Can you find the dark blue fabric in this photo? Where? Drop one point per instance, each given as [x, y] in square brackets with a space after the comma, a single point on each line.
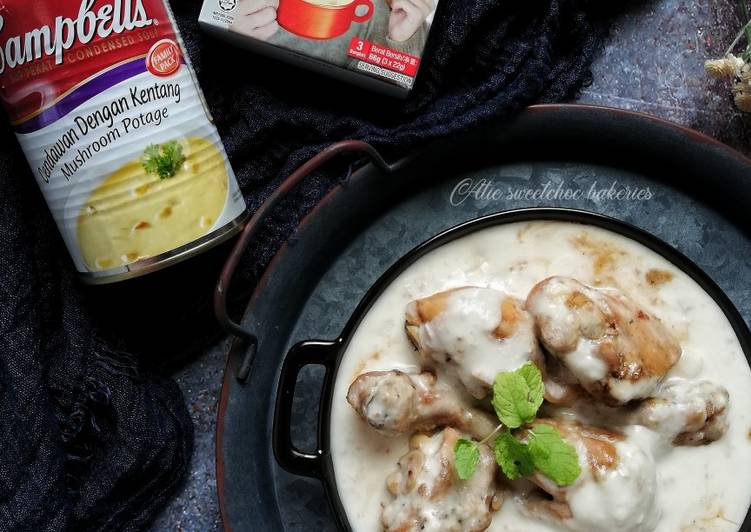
[92, 436]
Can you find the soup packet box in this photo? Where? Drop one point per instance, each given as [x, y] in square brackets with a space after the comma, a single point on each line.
[376, 44]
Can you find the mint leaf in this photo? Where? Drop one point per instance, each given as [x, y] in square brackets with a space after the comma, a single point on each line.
[467, 456]
[552, 456]
[513, 457]
[518, 395]
[533, 377]
[163, 160]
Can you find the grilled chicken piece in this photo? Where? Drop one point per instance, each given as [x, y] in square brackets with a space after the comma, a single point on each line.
[690, 413]
[474, 333]
[394, 402]
[615, 490]
[615, 350]
[425, 494]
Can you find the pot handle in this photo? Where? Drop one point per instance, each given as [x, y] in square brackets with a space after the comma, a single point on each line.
[255, 223]
[289, 457]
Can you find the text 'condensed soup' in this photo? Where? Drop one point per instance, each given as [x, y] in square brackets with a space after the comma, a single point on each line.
[104, 103]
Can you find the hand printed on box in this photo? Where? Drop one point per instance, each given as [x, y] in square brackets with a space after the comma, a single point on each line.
[407, 16]
[256, 18]
[259, 18]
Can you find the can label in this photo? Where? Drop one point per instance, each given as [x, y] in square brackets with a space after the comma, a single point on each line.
[106, 108]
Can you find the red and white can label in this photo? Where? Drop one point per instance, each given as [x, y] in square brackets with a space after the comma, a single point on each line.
[106, 108]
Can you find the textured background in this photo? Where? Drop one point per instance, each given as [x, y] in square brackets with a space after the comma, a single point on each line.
[653, 63]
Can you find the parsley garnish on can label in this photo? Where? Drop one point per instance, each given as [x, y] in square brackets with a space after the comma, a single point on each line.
[517, 396]
[163, 160]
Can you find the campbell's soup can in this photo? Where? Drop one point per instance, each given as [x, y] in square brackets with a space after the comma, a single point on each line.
[106, 107]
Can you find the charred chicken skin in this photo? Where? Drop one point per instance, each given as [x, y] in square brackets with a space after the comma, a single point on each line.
[616, 351]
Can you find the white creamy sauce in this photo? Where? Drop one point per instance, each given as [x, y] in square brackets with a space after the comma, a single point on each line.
[693, 489]
[465, 330]
[624, 496]
[584, 362]
[626, 390]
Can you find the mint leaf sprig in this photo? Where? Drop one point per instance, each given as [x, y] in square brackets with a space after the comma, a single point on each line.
[513, 457]
[517, 397]
[552, 456]
[467, 455]
[163, 160]
[466, 458]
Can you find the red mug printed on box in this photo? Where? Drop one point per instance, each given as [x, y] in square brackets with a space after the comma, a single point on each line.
[324, 19]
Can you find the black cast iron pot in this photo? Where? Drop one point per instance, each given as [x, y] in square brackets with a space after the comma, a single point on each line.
[318, 464]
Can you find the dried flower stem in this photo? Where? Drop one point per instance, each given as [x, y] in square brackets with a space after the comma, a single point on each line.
[746, 30]
[736, 68]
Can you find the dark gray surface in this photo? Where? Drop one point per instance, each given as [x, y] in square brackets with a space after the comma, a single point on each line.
[654, 64]
[196, 507]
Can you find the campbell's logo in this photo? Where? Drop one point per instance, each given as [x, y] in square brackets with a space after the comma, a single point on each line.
[111, 18]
